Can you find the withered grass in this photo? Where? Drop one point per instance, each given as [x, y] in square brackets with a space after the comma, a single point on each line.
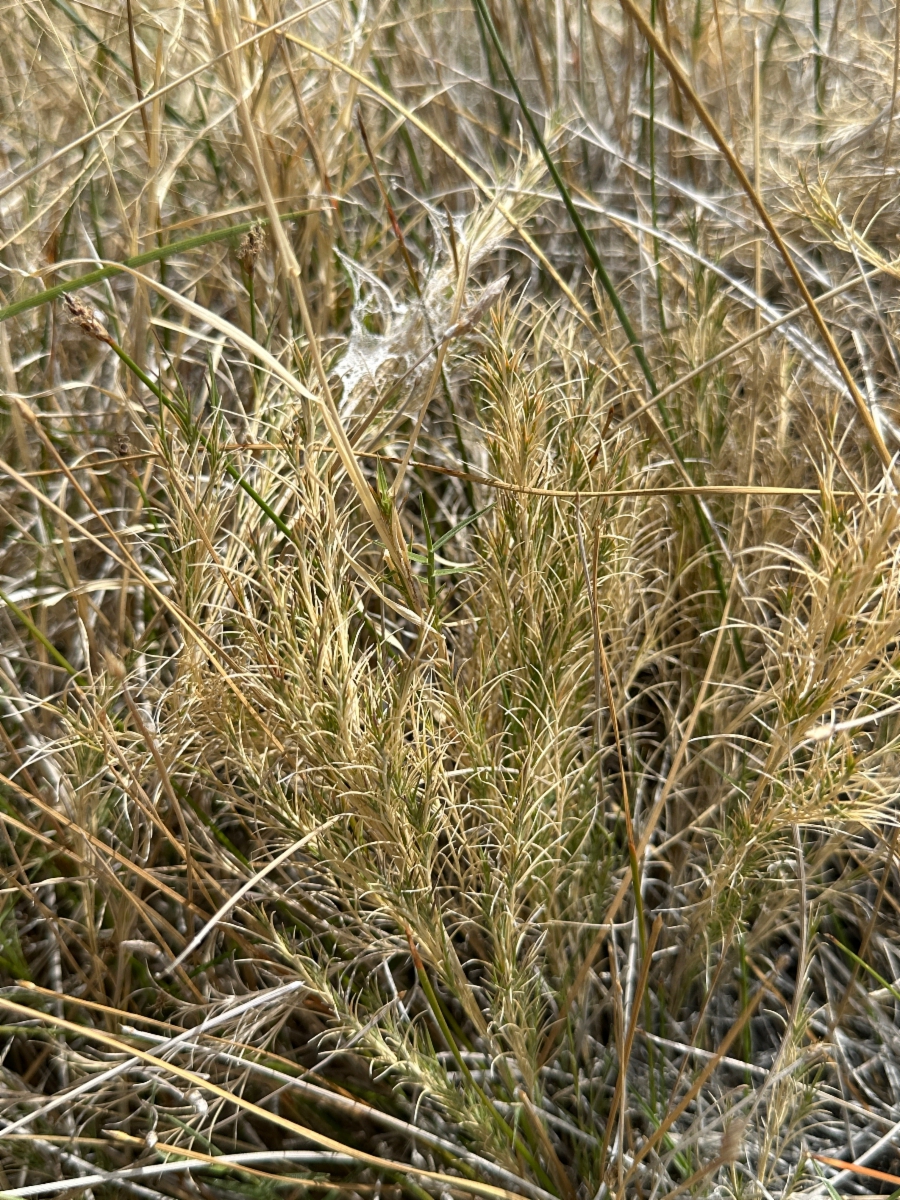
[450, 584]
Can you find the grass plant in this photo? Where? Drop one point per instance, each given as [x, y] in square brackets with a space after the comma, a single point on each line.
[449, 600]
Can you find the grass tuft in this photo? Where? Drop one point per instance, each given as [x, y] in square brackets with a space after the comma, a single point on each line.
[450, 600]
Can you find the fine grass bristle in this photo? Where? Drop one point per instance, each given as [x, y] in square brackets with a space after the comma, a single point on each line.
[450, 589]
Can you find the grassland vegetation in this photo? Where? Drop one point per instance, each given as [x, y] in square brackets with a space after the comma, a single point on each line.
[450, 587]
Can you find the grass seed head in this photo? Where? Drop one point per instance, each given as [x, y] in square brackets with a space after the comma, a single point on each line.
[114, 665]
[85, 319]
[252, 244]
[732, 1141]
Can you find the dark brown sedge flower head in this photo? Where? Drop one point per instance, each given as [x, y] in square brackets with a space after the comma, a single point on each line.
[251, 247]
[80, 314]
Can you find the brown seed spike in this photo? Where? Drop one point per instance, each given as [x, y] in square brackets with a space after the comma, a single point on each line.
[80, 314]
[251, 247]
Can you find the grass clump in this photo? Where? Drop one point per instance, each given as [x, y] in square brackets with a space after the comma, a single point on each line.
[450, 572]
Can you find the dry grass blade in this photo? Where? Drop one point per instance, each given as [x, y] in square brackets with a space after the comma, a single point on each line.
[734, 163]
[255, 879]
[473, 1186]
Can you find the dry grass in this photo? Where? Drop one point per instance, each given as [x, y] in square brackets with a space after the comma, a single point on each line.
[447, 749]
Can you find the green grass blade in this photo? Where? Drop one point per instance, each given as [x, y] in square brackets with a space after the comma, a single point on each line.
[58, 658]
[232, 471]
[138, 260]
